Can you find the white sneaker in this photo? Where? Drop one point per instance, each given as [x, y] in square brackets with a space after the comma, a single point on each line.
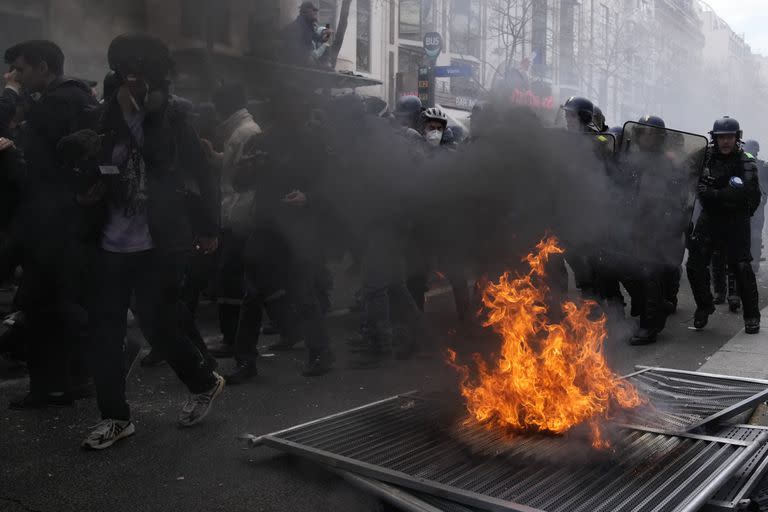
[107, 433]
[198, 406]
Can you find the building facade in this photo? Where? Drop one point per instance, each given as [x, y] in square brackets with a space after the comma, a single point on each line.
[674, 58]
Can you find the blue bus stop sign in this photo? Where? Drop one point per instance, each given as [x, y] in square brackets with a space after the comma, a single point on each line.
[433, 44]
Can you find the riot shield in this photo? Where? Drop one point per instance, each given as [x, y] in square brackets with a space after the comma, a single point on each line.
[656, 172]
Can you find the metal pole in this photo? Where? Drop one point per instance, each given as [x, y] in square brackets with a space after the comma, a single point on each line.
[392, 495]
[432, 64]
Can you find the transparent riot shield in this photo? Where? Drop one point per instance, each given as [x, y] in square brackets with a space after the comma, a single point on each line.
[656, 172]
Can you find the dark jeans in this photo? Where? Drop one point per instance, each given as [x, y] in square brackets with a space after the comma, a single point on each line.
[55, 326]
[292, 285]
[56, 338]
[260, 296]
[155, 277]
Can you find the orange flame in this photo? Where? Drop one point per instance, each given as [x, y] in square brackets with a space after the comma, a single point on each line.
[549, 377]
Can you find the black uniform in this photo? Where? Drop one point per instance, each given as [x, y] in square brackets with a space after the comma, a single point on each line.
[729, 195]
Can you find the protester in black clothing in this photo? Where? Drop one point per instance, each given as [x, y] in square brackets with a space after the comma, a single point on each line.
[148, 152]
[49, 229]
[284, 255]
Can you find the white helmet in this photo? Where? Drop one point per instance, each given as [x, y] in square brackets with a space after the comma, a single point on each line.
[434, 114]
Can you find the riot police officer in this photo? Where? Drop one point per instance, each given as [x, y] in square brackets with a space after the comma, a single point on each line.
[580, 118]
[580, 115]
[729, 193]
[659, 221]
[408, 112]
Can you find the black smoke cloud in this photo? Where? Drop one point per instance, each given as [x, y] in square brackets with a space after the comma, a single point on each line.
[487, 203]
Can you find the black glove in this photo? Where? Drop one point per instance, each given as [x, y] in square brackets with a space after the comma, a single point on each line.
[707, 191]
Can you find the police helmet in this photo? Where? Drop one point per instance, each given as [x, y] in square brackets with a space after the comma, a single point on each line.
[752, 146]
[582, 106]
[726, 126]
[599, 118]
[408, 105]
[653, 121]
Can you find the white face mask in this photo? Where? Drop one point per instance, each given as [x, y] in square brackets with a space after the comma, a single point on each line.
[434, 137]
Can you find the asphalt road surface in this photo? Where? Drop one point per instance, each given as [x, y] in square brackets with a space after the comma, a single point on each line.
[163, 468]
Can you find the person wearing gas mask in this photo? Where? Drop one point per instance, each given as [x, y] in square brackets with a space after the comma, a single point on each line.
[148, 153]
[729, 191]
[49, 231]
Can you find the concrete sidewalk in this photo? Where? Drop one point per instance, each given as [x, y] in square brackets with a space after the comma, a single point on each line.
[743, 355]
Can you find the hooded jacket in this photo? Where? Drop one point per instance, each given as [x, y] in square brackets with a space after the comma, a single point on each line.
[49, 218]
[237, 135]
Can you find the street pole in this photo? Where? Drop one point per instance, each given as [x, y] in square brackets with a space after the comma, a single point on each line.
[432, 64]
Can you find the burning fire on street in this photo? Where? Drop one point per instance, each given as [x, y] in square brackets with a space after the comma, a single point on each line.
[548, 376]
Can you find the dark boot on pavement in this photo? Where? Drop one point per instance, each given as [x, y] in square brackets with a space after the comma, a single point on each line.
[643, 336]
[701, 317]
[285, 344]
[246, 370]
[32, 401]
[719, 298]
[752, 325]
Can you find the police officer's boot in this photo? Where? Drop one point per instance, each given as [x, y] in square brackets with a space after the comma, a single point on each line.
[701, 317]
[654, 314]
[747, 287]
[643, 336]
[734, 301]
[244, 371]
